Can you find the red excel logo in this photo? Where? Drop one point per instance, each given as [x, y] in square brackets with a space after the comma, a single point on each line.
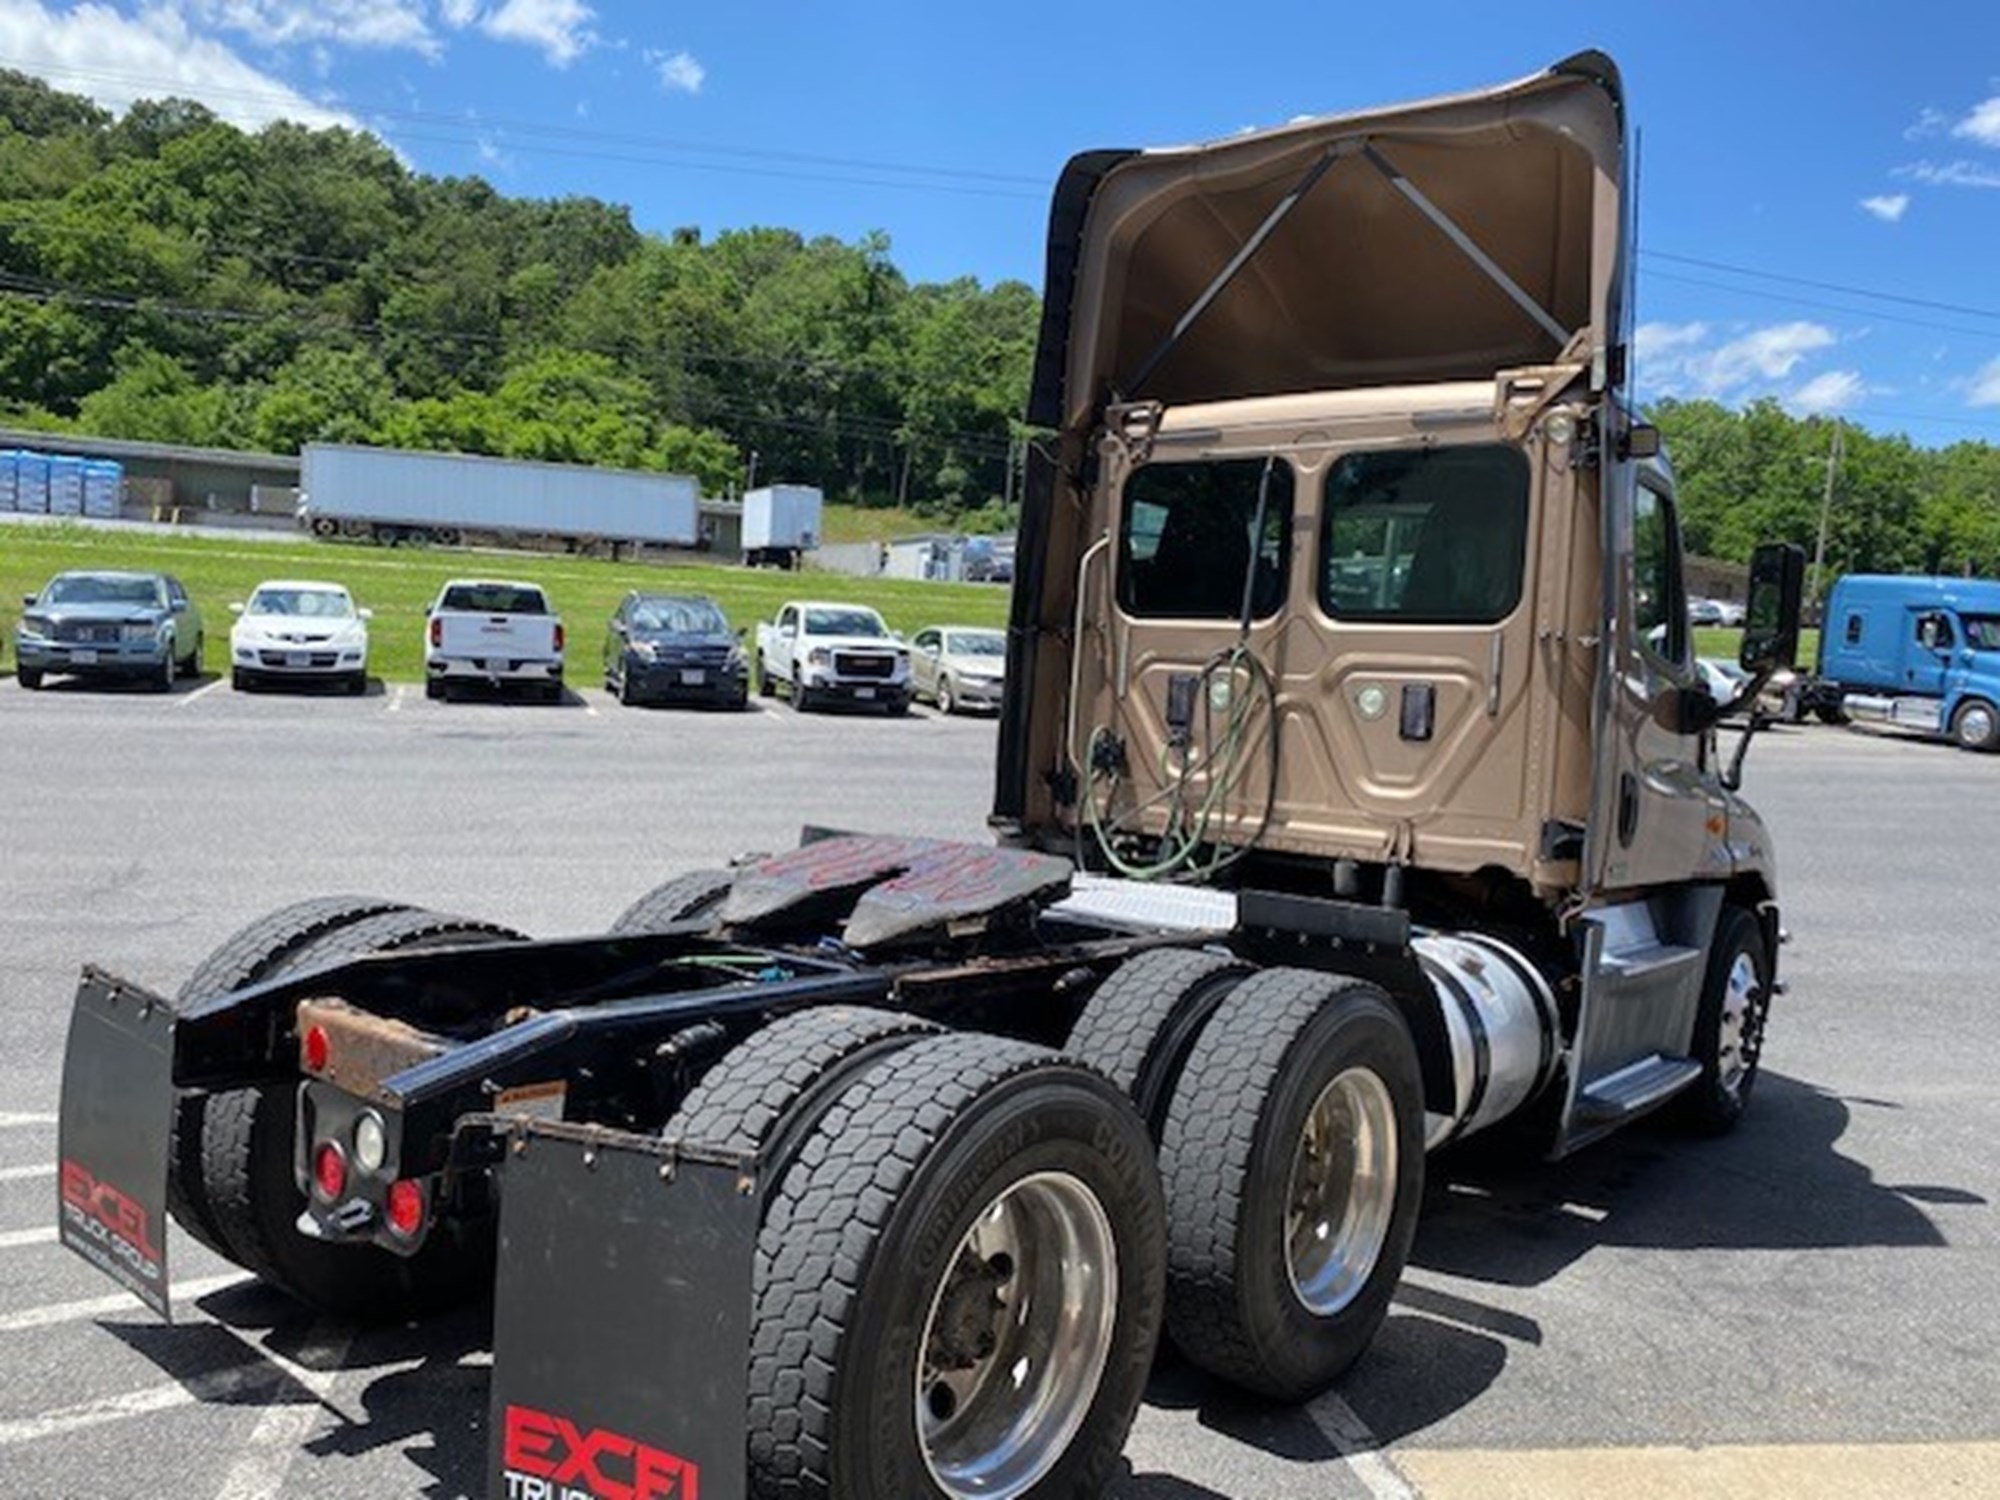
[547, 1457]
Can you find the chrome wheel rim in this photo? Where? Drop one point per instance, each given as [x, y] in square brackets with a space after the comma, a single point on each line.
[1017, 1338]
[1342, 1192]
[1975, 724]
[1735, 1040]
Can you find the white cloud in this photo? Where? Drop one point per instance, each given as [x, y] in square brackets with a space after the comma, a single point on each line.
[1986, 385]
[680, 72]
[1833, 391]
[382, 24]
[1678, 359]
[459, 13]
[560, 28]
[1929, 122]
[1952, 174]
[117, 59]
[1982, 125]
[1889, 207]
[1653, 340]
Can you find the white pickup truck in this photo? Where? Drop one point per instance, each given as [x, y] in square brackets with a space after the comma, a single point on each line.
[833, 653]
[501, 634]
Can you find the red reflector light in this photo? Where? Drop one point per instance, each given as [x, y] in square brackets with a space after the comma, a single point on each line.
[559, 636]
[318, 1049]
[406, 1207]
[437, 631]
[329, 1171]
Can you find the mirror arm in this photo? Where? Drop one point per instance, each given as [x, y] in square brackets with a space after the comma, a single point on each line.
[1732, 777]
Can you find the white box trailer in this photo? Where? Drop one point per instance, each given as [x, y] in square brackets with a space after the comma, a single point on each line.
[398, 495]
[780, 521]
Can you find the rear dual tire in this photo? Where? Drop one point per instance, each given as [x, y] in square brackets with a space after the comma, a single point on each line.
[231, 1181]
[957, 1284]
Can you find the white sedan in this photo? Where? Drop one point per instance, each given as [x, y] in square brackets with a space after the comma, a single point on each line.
[299, 631]
[959, 666]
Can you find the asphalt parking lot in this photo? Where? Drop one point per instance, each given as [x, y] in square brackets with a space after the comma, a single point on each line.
[1803, 1308]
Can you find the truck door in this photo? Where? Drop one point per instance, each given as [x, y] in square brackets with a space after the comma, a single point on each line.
[1929, 640]
[1662, 800]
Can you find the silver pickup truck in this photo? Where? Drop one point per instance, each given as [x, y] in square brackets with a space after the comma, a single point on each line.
[499, 634]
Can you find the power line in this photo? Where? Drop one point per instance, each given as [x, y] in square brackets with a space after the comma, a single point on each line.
[1870, 313]
[1821, 286]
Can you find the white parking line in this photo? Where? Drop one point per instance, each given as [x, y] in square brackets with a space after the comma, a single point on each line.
[217, 1385]
[19, 1239]
[395, 699]
[110, 1305]
[267, 1456]
[1359, 1449]
[27, 1174]
[202, 692]
[10, 1119]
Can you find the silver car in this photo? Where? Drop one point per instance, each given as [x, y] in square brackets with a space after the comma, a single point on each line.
[959, 666]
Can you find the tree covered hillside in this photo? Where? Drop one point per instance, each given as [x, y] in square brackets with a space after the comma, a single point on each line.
[166, 276]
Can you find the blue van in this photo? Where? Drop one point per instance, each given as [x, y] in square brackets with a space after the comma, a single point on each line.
[1920, 652]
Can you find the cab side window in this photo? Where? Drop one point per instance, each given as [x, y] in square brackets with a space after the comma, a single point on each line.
[1934, 631]
[1853, 634]
[1659, 602]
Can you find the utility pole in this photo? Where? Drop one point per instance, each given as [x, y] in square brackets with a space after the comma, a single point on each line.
[1825, 509]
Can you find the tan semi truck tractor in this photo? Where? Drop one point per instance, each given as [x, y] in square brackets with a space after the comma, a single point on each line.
[1356, 793]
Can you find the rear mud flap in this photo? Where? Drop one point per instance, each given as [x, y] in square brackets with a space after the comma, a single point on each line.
[116, 1115]
[621, 1319]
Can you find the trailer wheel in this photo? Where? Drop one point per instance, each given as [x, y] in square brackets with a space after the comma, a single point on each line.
[1729, 1025]
[247, 1163]
[682, 899]
[1293, 1160]
[958, 1282]
[244, 959]
[1138, 1027]
[770, 1089]
[1976, 725]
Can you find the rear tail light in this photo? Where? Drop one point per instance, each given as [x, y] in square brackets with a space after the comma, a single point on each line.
[329, 1171]
[316, 1049]
[406, 1208]
[559, 635]
[437, 631]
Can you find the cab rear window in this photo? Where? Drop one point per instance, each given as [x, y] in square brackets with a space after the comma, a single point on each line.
[1188, 534]
[1425, 535]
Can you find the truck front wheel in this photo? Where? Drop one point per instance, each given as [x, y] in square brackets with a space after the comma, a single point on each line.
[1976, 725]
[1728, 1025]
[1293, 1159]
[957, 1286]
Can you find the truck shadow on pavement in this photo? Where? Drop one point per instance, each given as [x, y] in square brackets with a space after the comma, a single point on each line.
[1777, 1183]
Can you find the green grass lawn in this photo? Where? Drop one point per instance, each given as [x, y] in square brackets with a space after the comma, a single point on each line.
[1715, 640]
[400, 584]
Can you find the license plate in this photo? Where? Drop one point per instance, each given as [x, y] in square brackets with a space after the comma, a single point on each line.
[864, 692]
[693, 677]
[300, 658]
[83, 658]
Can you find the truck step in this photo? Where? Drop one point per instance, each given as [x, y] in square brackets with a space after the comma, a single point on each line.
[1636, 967]
[1634, 1089]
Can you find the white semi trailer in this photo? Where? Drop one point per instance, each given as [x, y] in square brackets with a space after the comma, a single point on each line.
[781, 522]
[395, 495]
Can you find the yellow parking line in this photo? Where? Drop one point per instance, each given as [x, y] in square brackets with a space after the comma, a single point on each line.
[1887, 1471]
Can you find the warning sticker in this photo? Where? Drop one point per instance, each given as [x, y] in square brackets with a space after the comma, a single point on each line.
[533, 1101]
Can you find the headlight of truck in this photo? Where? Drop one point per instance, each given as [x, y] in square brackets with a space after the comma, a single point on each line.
[141, 632]
[36, 626]
[736, 661]
[819, 656]
[645, 650]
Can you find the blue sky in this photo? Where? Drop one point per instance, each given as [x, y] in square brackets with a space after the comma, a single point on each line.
[1821, 185]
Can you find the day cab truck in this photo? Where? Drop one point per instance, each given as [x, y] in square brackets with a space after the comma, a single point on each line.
[1920, 653]
[821, 652]
[493, 633]
[1355, 795]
